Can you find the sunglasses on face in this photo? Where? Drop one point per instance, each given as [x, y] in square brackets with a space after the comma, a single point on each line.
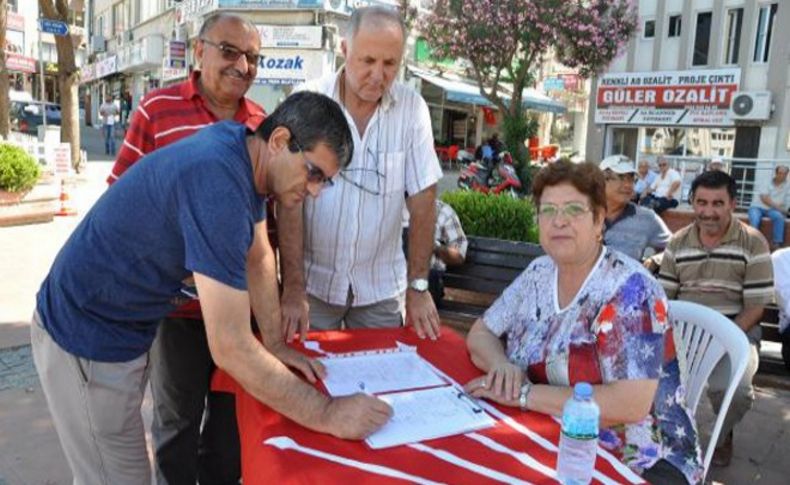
[314, 173]
[571, 210]
[232, 53]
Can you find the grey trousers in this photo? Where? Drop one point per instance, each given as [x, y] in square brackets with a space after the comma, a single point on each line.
[743, 398]
[384, 314]
[95, 407]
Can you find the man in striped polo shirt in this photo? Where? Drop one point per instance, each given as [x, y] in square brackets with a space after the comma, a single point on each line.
[181, 366]
[720, 262]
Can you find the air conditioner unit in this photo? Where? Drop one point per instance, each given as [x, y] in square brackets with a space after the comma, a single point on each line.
[98, 43]
[751, 105]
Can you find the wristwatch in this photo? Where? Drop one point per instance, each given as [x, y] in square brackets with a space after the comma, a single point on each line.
[420, 285]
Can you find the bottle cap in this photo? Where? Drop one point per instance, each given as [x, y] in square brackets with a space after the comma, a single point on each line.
[582, 390]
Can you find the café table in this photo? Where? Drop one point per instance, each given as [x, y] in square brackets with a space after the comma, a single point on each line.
[520, 448]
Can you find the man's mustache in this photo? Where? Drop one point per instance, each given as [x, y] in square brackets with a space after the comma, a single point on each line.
[236, 72]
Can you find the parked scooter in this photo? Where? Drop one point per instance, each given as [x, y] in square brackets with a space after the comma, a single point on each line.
[489, 176]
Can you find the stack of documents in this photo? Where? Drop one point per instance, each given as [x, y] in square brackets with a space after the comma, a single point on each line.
[425, 405]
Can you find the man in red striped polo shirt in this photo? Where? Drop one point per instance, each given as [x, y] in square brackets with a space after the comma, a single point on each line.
[181, 365]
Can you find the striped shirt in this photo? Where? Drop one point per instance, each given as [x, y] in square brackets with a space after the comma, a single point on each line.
[169, 114]
[165, 116]
[352, 237]
[735, 274]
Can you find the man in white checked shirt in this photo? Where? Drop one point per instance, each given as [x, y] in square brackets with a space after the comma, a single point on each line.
[449, 248]
[341, 254]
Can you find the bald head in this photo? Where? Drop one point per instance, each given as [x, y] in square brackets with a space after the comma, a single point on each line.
[377, 17]
[224, 18]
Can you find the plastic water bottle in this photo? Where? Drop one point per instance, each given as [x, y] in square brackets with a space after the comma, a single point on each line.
[579, 437]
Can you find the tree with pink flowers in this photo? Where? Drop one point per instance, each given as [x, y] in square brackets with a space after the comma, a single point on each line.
[508, 39]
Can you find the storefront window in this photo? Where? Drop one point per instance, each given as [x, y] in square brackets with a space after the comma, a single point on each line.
[624, 141]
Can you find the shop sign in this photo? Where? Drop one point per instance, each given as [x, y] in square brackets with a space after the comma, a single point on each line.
[106, 67]
[570, 82]
[170, 73]
[286, 66]
[176, 54]
[291, 36]
[553, 84]
[14, 21]
[272, 4]
[688, 98]
[19, 63]
[87, 73]
[191, 10]
[177, 49]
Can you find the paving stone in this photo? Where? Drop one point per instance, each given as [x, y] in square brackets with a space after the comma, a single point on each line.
[17, 370]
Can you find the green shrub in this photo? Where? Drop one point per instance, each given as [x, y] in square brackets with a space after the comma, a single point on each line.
[19, 171]
[497, 216]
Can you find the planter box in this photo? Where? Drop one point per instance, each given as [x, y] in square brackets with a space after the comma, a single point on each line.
[38, 205]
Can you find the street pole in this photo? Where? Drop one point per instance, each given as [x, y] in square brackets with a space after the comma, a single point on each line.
[41, 78]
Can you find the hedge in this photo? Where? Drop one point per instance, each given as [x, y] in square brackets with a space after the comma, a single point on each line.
[497, 216]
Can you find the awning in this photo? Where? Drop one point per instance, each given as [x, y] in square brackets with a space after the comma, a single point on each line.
[466, 91]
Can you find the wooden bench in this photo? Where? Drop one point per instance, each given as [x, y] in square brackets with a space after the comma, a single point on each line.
[490, 266]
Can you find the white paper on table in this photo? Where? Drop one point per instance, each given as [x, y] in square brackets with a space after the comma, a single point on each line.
[377, 371]
[427, 414]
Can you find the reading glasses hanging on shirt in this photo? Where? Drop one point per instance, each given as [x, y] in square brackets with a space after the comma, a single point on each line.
[365, 179]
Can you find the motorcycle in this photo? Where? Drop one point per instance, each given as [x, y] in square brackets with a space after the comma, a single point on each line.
[489, 176]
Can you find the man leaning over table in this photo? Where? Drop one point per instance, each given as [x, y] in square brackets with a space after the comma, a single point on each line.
[199, 209]
[722, 263]
[188, 445]
[346, 245]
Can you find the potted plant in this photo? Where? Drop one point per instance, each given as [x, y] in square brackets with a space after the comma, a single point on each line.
[19, 173]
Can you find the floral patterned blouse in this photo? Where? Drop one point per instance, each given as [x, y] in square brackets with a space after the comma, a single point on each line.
[614, 329]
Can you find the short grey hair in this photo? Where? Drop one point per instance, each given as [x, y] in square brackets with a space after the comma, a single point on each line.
[215, 18]
[377, 15]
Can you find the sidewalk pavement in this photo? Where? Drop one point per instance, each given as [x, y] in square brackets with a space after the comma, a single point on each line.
[30, 453]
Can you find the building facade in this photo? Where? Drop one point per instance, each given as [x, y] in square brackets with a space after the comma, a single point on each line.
[27, 52]
[701, 78]
[140, 45]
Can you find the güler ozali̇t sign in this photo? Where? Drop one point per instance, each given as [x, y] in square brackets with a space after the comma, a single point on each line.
[688, 98]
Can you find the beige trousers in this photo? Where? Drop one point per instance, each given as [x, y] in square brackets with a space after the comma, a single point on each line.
[95, 407]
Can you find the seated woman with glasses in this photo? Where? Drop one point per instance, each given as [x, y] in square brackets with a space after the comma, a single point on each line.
[588, 313]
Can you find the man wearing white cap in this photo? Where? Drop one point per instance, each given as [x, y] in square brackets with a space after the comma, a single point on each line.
[716, 163]
[629, 228]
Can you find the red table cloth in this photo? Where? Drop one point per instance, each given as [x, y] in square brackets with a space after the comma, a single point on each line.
[521, 448]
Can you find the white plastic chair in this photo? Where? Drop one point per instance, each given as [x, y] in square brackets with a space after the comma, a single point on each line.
[703, 336]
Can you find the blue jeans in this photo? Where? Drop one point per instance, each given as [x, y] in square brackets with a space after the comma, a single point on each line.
[777, 222]
[659, 204]
[109, 139]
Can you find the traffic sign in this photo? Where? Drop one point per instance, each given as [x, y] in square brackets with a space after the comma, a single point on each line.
[55, 27]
